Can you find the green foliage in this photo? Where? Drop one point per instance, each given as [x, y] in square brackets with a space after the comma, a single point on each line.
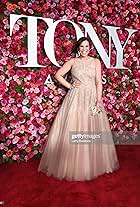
[38, 155]
[1, 116]
[1, 15]
[19, 89]
[25, 115]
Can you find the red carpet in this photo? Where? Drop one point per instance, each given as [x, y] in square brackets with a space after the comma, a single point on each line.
[22, 186]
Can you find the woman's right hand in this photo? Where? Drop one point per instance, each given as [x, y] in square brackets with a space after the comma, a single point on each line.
[76, 83]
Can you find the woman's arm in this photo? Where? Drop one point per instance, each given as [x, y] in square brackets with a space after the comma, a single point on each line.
[62, 71]
[98, 80]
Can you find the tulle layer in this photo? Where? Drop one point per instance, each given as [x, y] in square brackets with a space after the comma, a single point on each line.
[65, 158]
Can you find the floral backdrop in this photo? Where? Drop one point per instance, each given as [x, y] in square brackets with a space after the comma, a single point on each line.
[27, 105]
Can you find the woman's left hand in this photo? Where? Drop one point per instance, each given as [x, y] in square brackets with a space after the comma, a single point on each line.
[98, 103]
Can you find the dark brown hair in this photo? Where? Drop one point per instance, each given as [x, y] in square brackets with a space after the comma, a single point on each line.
[78, 43]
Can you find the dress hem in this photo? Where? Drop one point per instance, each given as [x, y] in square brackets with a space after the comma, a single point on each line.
[80, 180]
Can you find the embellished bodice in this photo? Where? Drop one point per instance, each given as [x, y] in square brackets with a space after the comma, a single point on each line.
[84, 71]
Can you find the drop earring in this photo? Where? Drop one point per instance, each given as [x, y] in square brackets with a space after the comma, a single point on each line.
[78, 53]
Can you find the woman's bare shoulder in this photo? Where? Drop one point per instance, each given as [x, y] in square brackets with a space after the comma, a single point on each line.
[71, 61]
[97, 60]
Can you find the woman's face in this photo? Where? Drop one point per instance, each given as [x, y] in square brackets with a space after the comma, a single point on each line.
[84, 48]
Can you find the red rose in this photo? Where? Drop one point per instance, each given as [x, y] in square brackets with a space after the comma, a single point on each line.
[2, 88]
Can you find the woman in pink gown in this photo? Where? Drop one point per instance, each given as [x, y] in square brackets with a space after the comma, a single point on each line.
[80, 144]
